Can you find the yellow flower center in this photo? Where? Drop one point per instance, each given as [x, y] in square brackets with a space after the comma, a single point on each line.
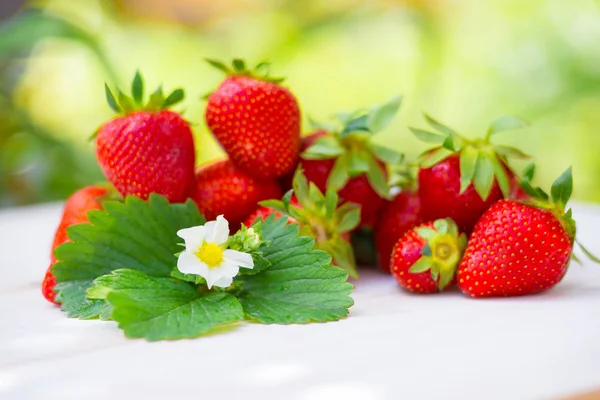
[210, 254]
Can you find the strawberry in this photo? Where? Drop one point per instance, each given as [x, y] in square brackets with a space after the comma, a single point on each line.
[256, 120]
[461, 178]
[397, 217]
[521, 248]
[424, 260]
[75, 212]
[319, 217]
[222, 188]
[148, 148]
[345, 159]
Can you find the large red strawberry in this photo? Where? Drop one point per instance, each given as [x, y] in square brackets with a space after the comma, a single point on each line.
[256, 120]
[397, 217]
[521, 248]
[223, 188]
[319, 216]
[148, 149]
[75, 212]
[424, 260]
[344, 158]
[462, 178]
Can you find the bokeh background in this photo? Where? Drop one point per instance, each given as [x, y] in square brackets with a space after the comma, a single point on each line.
[463, 61]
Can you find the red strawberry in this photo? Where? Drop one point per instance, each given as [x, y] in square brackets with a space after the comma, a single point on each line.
[75, 212]
[256, 120]
[345, 159]
[462, 178]
[318, 216]
[425, 259]
[148, 149]
[397, 217]
[518, 249]
[222, 188]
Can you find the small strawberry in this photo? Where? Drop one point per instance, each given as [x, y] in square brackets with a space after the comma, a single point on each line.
[75, 212]
[222, 188]
[256, 120]
[345, 159]
[461, 178]
[424, 260]
[397, 217]
[521, 248]
[319, 216]
[147, 149]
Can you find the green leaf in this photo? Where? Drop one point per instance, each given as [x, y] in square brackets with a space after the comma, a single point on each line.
[468, 162]
[377, 179]
[175, 97]
[218, 65]
[137, 89]
[175, 273]
[500, 175]
[136, 234]
[529, 172]
[300, 286]
[331, 202]
[339, 173]
[425, 232]
[72, 296]
[238, 65]
[166, 308]
[385, 154]
[110, 99]
[342, 253]
[447, 131]
[324, 148]
[449, 143]
[300, 185]
[381, 117]
[156, 100]
[511, 152]
[421, 265]
[562, 188]
[126, 103]
[588, 253]
[441, 226]
[349, 221]
[431, 158]
[506, 123]
[358, 124]
[276, 205]
[359, 163]
[427, 137]
[484, 176]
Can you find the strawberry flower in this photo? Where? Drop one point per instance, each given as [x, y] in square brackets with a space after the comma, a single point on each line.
[206, 253]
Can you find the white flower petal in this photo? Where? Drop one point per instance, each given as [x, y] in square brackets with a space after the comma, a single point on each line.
[220, 233]
[224, 281]
[193, 237]
[188, 263]
[228, 269]
[238, 258]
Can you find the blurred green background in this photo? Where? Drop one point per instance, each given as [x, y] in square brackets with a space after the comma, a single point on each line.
[463, 61]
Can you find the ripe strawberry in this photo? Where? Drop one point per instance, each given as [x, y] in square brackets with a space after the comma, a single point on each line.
[222, 188]
[318, 216]
[344, 159]
[521, 248]
[75, 212]
[256, 120]
[462, 178]
[397, 217]
[147, 149]
[424, 260]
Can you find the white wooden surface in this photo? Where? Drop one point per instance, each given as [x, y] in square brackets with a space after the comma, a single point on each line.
[393, 345]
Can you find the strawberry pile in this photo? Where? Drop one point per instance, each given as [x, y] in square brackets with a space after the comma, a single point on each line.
[467, 219]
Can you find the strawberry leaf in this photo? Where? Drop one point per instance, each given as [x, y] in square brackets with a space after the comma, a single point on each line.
[358, 124]
[324, 148]
[562, 188]
[135, 235]
[468, 162]
[529, 172]
[339, 173]
[349, 220]
[447, 131]
[218, 65]
[421, 265]
[433, 157]
[587, 253]
[175, 97]
[427, 137]
[110, 99]
[137, 88]
[500, 175]
[506, 123]
[377, 179]
[300, 286]
[381, 117]
[484, 176]
[511, 152]
[358, 164]
[386, 154]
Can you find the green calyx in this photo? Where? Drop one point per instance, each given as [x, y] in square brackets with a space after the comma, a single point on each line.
[480, 161]
[123, 104]
[238, 67]
[349, 143]
[442, 252]
[320, 217]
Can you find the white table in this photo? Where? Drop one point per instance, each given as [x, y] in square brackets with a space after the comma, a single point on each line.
[393, 345]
